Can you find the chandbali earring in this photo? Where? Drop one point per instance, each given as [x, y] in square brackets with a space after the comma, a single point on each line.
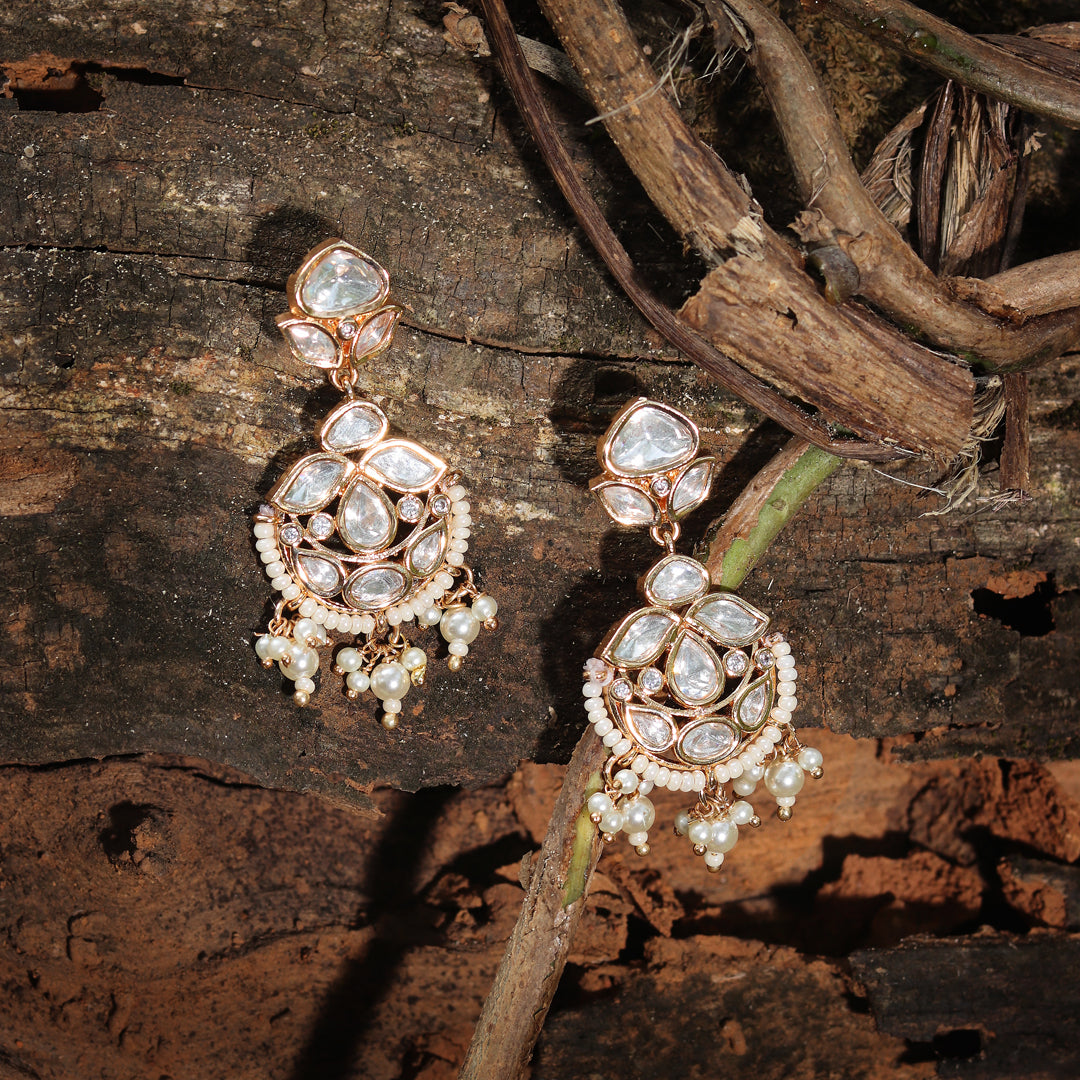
[369, 533]
[691, 692]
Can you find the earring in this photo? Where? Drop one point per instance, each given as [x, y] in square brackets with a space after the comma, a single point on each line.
[370, 532]
[691, 692]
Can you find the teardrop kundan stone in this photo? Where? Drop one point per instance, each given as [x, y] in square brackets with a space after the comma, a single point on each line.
[342, 281]
[650, 438]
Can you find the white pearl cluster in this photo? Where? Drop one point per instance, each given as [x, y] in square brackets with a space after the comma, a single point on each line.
[713, 836]
[389, 680]
[784, 778]
[295, 655]
[459, 624]
[624, 808]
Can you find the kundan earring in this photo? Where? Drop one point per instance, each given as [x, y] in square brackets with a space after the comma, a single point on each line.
[691, 692]
[369, 533]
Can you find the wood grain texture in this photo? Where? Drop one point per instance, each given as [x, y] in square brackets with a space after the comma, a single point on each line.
[148, 404]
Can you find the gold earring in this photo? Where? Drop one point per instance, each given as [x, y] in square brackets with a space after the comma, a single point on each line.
[692, 692]
[369, 533]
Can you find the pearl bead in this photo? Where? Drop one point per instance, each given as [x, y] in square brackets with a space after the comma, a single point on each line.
[460, 533]
[262, 647]
[621, 747]
[639, 813]
[637, 838]
[263, 529]
[747, 760]
[741, 812]
[714, 859]
[592, 690]
[270, 558]
[455, 558]
[302, 661]
[650, 772]
[722, 836]
[682, 822]
[460, 506]
[358, 681]
[431, 616]
[319, 614]
[640, 764]
[699, 832]
[406, 611]
[393, 617]
[460, 546]
[278, 648]
[456, 493]
[307, 630]
[699, 779]
[282, 581]
[612, 737]
[348, 660]
[595, 704]
[674, 782]
[781, 716]
[368, 624]
[810, 758]
[457, 648]
[267, 543]
[603, 726]
[599, 803]
[459, 624]
[626, 781]
[788, 703]
[662, 776]
[785, 800]
[305, 685]
[735, 767]
[612, 821]
[484, 607]
[391, 705]
[744, 785]
[333, 620]
[645, 787]
[784, 662]
[722, 774]
[290, 592]
[307, 607]
[784, 778]
[462, 520]
[275, 569]
[413, 658]
[785, 688]
[686, 782]
[756, 773]
[444, 580]
[390, 681]
[356, 625]
[781, 648]
[772, 733]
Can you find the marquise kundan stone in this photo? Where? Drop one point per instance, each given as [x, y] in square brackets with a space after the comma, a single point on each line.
[366, 520]
[692, 488]
[341, 281]
[676, 580]
[650, 438]
[628, 505]
[706, 743]
[729, 619]
[641, 638]
[353, 425]
[372, 588]
[310, 484]
[311, 343]
[376, 333]
[321, 574]
[403, 465]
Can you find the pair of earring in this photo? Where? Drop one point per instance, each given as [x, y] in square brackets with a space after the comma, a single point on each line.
[368, 535]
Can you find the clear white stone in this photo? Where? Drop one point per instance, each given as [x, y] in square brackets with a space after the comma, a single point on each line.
[353, 425]
[375, 587]
[401, 465]
[366, 519]
[311, 344]
[692, 488]
[642, 638]
[707, 742]
[376, 333]
[426, 551]
[628, 505]
[694, 671]
[677, 580]
[341, 283]
[753, 706]
[728, 618]
[650, 439]
[652, 729]
[323, 576]
[315, 483]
